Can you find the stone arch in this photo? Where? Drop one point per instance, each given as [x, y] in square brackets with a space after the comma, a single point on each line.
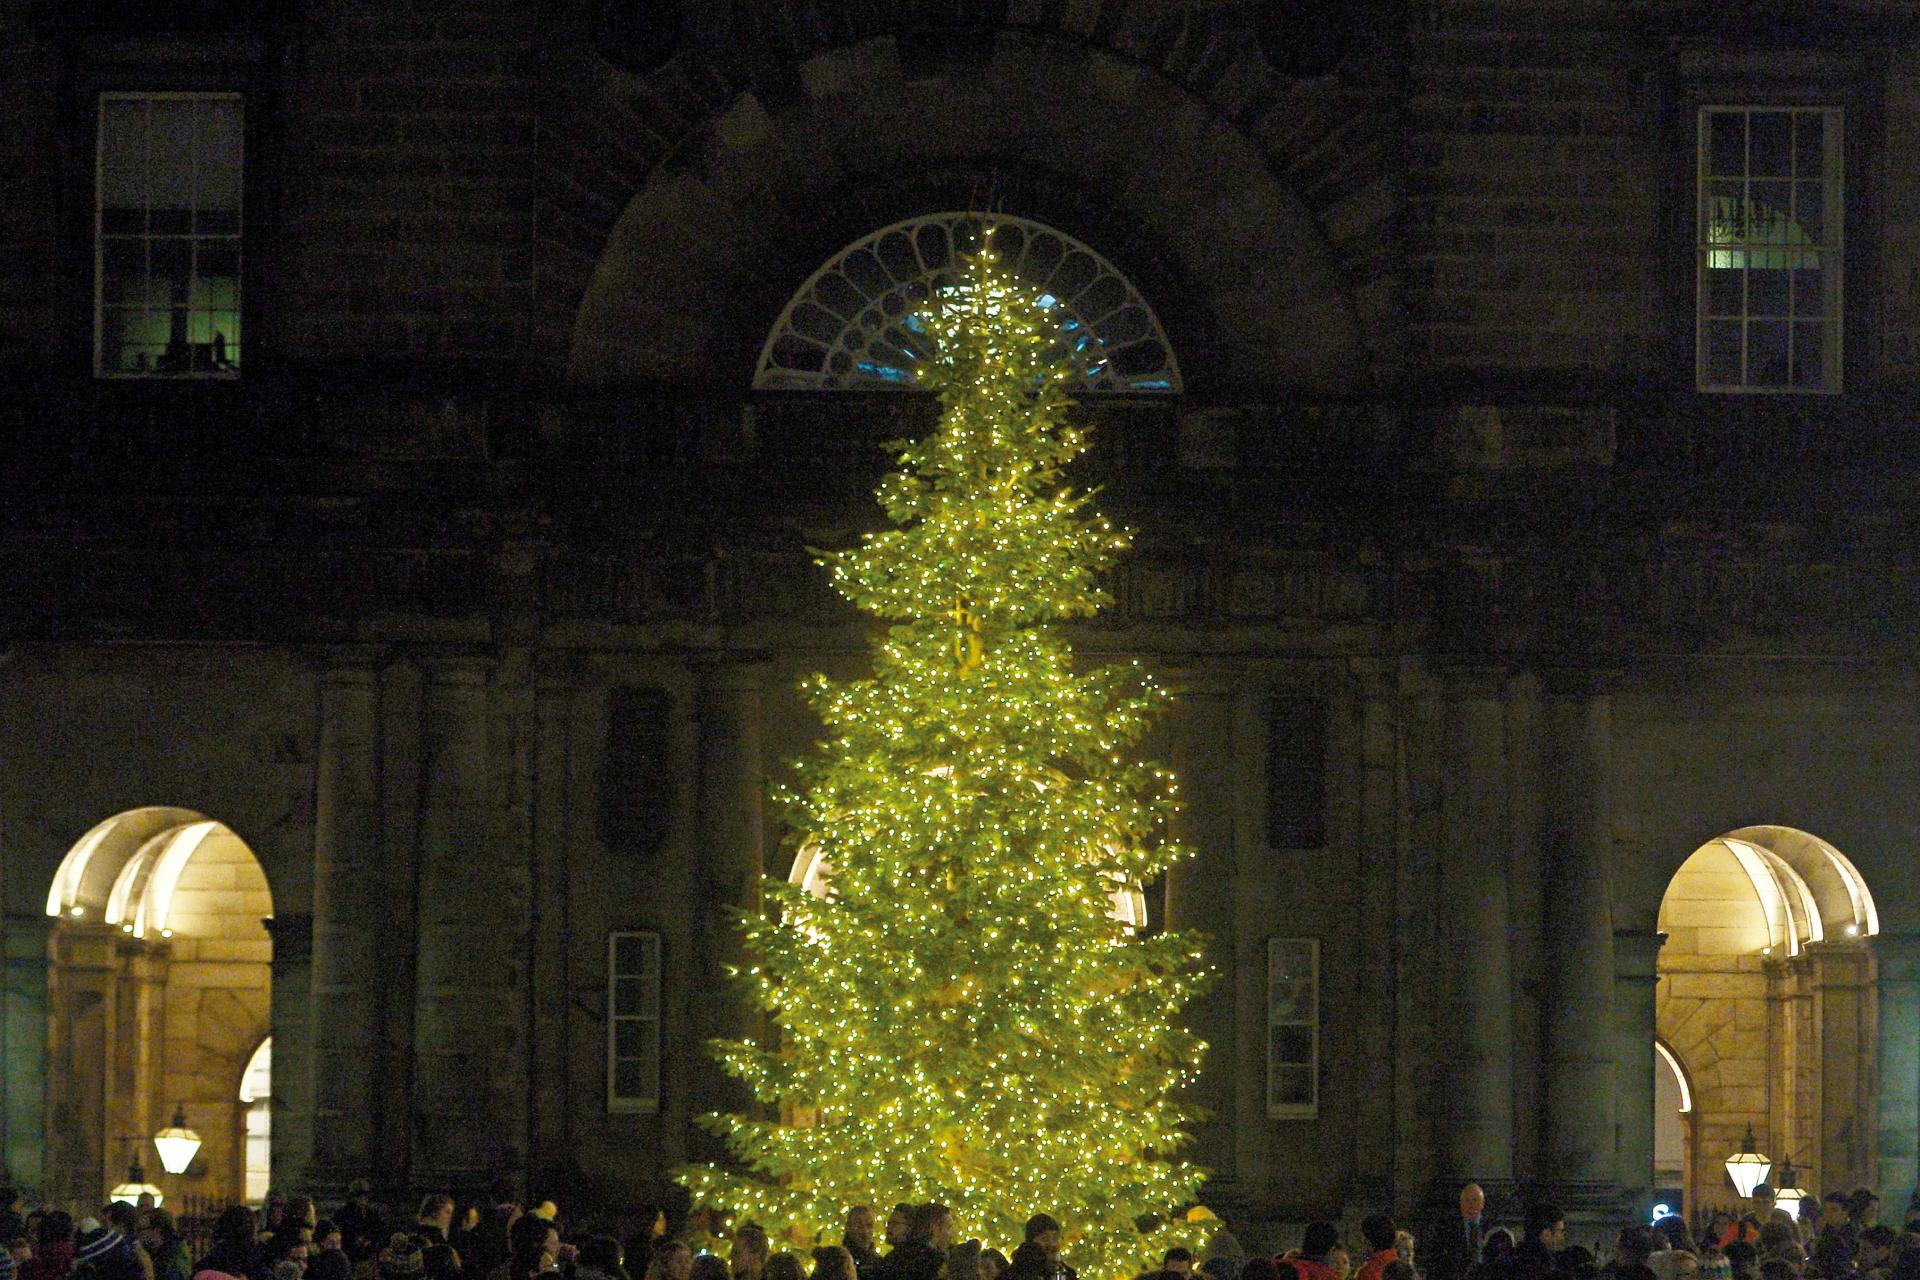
[704, 255]
[1765, 991]
[159, 985]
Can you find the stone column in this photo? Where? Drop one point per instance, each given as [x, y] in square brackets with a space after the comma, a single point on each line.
[1899, 1111]
[1580, 1065]
[1475, 1134]
[1380, 809]
[1200, 896]
[23, 1037]
[729, 801]
[1635, 974]
[469, 1025]
[348, 970]
[290, 1017]
[1844, 1003]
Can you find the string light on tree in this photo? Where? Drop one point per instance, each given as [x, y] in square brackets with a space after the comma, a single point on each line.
[958, 1015]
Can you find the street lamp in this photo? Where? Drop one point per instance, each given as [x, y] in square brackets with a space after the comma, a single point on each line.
[1747, 1167]
[176, 1143]
[136, 1185]
[1789, 1195]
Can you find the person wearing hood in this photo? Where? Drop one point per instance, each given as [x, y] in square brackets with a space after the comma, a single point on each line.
[1316, 1253]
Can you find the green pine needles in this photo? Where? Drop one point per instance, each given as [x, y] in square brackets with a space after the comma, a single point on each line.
[966, 1013]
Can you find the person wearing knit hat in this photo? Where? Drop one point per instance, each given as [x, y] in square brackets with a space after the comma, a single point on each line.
[101, 1253]
[400, 1260]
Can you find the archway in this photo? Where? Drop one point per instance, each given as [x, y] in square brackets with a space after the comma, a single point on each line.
[158, 998]
[1765, 1009]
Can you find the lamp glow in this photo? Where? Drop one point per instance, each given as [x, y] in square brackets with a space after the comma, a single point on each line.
[1789, 1194]
[176, 1143]
[136, 1185]
[1747, 1167]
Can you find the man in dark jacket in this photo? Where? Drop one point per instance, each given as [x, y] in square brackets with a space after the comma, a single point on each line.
[858, 1239]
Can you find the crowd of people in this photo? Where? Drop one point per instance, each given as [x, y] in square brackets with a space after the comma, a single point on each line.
[1838, 1238]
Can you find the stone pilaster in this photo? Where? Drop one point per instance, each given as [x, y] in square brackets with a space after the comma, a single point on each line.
[469, 1024]
[1635, 976]
[1380, 806]
[23, 1050]
[290, 1017]
[1475, 1133]
[729, 843]
[1845, 1014]
[1898, 1121]
[1200, 897]
[1580, 1067]
[348, 970]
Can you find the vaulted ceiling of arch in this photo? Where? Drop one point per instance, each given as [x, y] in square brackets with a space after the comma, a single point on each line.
[777, 133]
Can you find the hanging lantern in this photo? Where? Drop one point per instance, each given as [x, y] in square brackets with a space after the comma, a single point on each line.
[1747, 1167]
[176, 1143]
[136, 1185]
[1789, 1195]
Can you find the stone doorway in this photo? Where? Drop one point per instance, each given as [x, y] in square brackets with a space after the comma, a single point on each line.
[1766, 1012]
[159, 975]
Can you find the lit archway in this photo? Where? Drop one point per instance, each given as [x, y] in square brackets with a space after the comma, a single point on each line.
[256, 1096]
[159, 995]
[1766, 962]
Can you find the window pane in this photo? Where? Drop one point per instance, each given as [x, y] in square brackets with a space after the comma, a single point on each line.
[1768, 213]
[1289, 1086]
[1809, 213]
[123, 141]
[170, 148]
[1726, 143]
[1290, 1043]
[1767, 291]
[629, 997]
[1809, 136]
[629, 954]
[632, 1038]
[1725, 289]
[629, 1078]
[1809, 291]
[1289, 960]
[217, 154]
[1723, 353]
[1723, 213]
[123, 266]
[1770, 144]
[1810, 355]
[1767, 353]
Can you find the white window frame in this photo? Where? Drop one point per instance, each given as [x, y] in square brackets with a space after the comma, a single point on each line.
[1310, 1109]
[100, 237]
[650, 976]
[1832, 251]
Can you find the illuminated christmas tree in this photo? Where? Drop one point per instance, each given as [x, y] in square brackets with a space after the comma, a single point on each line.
[961, 1008]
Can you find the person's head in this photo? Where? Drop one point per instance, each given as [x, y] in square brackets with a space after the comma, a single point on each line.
[1778, 1269]
[1045, 1232]
[1319, 1240]
[1863, 1207]
[1473, 1201]
[122, 1217]
[437, 1211]
[899, 1224]
[1377, 1230]
[708, 1266]
[289, 1269]
[669, 1260]
[1577, 1261]
[1634, 1243]
[1177, 1260]
[1546, 1226]
[1674, 1264]
[602, 1253]
[784, 1266]
[934, 1224]
[234, 1225]
[749, 1248]
[1030, 1261]
[859, 1228]
[1339, 1261]
[326, 1235]
[833, 1262]
[1762, 1198]
[1498, 1244]
[1403, 1246]
[993, 1264]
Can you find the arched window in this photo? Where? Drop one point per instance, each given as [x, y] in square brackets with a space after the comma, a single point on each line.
[852, 324]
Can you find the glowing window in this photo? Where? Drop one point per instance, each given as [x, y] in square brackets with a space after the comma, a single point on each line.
[633, 1022]
[256, 1092]
[852, 324]
[1293, 1028]
[167, 236]
[1768, 306]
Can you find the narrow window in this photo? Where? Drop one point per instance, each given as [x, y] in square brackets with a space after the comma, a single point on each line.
[167, 236]
[1293, 1028]
[633, 1022]
[1296, 773]
[1768, 249]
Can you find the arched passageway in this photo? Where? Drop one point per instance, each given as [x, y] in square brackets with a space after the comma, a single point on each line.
[158, 998]
[1766, 1012]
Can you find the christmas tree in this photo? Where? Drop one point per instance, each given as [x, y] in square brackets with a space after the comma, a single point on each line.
[959, 1013]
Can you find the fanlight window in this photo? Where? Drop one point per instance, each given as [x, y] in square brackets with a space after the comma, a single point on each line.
[853, 323]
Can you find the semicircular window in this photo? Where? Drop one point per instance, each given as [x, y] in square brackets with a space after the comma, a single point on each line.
[853, 324]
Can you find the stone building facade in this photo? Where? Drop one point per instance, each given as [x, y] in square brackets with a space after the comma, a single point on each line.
[469, 593]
